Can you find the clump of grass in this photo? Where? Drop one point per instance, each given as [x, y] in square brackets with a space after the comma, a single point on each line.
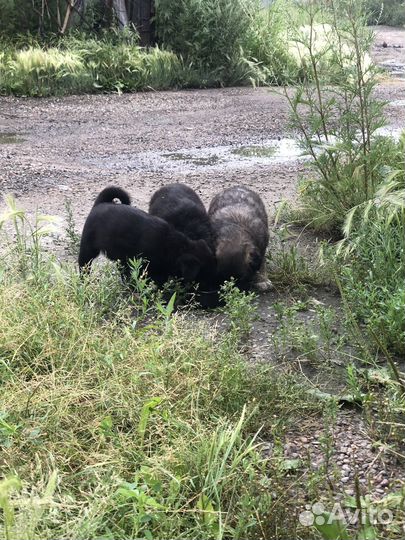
[78, 65]
[240, 308]
[373, 261]
[35, 71]
[390, 12]
[73, 237]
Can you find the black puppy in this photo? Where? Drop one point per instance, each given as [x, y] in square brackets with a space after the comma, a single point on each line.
[123, 232]
[180, 205]
[240, 225]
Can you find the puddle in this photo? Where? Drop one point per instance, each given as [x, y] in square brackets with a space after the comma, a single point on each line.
[217, 157]
[187, 160]
[271, 151]
[388, 131]
[397, 103]
[194, 160]
[10, 138]
[254, 151]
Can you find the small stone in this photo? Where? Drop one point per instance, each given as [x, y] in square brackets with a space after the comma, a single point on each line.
[344, 479]
[384, 483]
[304, 440]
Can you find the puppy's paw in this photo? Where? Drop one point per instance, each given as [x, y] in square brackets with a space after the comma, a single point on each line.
[263, 285]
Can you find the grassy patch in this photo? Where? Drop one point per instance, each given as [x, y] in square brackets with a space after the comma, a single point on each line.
[121, 419]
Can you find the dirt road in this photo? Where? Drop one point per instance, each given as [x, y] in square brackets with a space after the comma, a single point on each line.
[72, 147]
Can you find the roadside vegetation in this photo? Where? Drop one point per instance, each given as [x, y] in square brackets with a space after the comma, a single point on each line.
[122, 419]
[354, 188]
[200, 44]
[353, 194]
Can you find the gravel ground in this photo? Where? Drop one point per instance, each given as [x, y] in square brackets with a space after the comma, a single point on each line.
[72, 147]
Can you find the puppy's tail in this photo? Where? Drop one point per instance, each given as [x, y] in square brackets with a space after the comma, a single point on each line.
[110, 193]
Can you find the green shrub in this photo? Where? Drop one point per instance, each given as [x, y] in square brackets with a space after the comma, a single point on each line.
[337, 115]
[225, 42]
[41, 72]
[355, 181]
[208, 34]
[265, 45]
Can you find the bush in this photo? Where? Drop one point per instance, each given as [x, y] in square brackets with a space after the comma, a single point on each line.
[208, 34]
[226, 42]
[357, 179]
[337, 116]
[265, 45]
[212, 43]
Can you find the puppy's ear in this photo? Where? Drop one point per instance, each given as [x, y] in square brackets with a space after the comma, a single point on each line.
[189, 267]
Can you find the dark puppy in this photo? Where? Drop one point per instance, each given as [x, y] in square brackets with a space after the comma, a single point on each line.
[180, 205]
[240, 225]
[123, 232]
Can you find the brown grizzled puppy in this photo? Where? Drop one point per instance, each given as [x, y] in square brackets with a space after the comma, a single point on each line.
[240, 225]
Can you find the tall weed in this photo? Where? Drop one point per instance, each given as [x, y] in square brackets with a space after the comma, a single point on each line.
[336, 114]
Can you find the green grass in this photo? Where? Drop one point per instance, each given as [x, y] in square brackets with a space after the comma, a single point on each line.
[390, 12]
[122, 419]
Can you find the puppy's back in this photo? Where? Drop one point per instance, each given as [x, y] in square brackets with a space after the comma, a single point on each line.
[238, 201]
[181, 206]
